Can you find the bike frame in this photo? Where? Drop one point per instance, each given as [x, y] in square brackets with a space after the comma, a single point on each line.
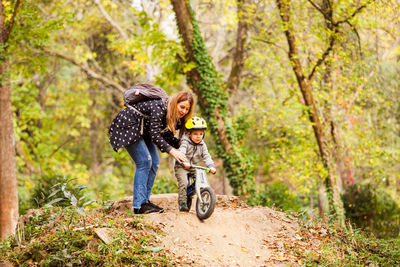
[201, 180]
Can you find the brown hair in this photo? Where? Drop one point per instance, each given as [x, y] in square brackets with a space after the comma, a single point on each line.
[172, 110]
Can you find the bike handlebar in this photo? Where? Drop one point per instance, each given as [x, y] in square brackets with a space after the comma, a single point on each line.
[200, 167]
[196, 167]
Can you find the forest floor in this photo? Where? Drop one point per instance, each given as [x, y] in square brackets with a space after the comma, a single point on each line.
[234, 235]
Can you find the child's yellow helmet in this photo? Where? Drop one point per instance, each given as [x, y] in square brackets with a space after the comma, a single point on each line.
[196, 123]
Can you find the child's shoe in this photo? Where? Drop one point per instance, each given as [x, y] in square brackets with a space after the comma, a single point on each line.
[183, 206]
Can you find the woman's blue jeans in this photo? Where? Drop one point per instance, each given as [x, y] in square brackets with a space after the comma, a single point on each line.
[145, 155]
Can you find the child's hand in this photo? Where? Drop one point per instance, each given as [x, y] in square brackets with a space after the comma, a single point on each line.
[186, 165]
[213, 170]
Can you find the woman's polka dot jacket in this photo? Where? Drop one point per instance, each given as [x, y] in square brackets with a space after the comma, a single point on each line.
[125, 128]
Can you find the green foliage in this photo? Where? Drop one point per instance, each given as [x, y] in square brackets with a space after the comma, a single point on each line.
[49, 241]
[351, 247]
[43, 190]
[61, 115]
[164, 184]
[278, 195]
[241, 124]
[372, 209]
[65, 194]
[238, 165]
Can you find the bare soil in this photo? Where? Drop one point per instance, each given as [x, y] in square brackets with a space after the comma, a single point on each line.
[234, 235]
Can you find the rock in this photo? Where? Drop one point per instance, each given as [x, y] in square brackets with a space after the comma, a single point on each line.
[105, 234]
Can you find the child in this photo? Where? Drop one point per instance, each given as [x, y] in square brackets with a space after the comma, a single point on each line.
[193, 146]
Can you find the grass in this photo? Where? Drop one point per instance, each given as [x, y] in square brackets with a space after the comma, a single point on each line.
[51, 238]
[335, 246]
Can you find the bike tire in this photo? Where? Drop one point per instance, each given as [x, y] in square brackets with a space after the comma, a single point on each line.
[189, 201]
[205, 210]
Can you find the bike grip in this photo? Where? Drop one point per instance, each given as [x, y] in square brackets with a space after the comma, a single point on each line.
[183, 165]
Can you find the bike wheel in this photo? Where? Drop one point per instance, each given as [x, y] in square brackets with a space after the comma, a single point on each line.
[205, 209]
[189, 201]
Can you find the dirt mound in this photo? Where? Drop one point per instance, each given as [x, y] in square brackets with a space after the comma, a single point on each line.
[234, 235]
[170, 202]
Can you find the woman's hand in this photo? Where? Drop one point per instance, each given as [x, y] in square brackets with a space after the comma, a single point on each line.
[179, 156]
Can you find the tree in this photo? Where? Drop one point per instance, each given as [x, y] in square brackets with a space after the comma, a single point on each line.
[8, 172]
[213, 100]
[238, 60]
[96, 63]
[305, 85]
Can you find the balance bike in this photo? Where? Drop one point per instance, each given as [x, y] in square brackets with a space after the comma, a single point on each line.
[198, 184]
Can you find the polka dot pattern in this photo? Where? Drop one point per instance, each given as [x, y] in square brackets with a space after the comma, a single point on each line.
[125, 128]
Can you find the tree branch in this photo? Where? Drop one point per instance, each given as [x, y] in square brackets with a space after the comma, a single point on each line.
[2, 25]
[269, 42]
[330, 18]
[283, 7]
[358, 10]
[111, 21]
[11, 24]
[91, 73]
[227, 56]
[324, 56]
[329, 4]
[60, 146]
[317, 8]
[180, 59]
[357, 34]
[335, 27]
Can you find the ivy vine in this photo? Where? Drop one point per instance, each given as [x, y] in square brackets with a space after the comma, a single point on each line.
[237, 163]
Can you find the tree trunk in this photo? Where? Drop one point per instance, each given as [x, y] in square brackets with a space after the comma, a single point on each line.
[339, 153]
[342, 158]
[239, 54]
[8, 173]
[335, 202]
[8, 169]
[322, 202]
[213, 101]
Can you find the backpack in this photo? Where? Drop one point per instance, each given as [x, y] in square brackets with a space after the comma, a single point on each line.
[141, 92]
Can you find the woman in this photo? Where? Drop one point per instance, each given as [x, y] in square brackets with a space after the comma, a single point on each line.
[142, 128]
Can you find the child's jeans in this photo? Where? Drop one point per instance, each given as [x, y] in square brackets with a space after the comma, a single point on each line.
[181, 176]
[144, 153]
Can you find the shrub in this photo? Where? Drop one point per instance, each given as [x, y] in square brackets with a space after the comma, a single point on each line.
[43, 189]
[372, 209]
[278, 194]
[164, 184]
